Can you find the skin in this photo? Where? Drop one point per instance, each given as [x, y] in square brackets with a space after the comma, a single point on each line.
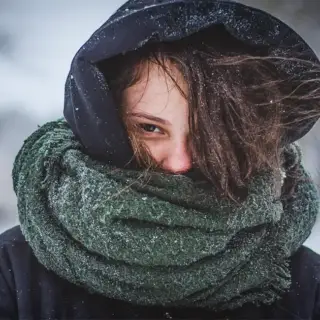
[160, 110]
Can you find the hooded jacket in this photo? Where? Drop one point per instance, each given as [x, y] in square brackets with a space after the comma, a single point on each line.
[89, 105]
[27, 289]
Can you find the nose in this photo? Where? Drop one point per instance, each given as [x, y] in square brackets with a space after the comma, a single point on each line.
[178, 159]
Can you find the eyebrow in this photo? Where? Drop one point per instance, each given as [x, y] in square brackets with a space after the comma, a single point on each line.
[150, 117]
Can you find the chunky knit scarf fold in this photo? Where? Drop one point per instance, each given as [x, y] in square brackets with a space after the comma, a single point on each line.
[156, 239]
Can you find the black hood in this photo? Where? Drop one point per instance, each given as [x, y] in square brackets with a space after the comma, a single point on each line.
[89, 107]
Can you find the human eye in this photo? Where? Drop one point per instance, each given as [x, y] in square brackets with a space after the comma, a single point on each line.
[150, 128]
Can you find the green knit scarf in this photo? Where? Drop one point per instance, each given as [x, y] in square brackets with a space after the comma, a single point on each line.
[156, 239]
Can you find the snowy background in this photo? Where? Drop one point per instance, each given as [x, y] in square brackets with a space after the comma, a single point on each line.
[38, 39]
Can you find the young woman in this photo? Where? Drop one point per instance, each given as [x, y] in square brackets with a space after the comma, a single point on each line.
[173, 188]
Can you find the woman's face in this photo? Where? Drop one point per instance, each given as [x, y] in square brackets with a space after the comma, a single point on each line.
[158, 108]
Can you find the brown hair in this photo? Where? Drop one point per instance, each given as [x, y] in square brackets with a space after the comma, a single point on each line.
[237, 98]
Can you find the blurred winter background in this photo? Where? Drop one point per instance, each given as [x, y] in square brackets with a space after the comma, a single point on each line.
[37, 42]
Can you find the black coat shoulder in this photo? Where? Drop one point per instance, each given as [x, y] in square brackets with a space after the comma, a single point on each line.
[30, 291]
[304, 296]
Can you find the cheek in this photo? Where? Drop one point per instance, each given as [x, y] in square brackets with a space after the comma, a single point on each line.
[158, 149]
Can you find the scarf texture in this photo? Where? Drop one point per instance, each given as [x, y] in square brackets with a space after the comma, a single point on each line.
[153, 238]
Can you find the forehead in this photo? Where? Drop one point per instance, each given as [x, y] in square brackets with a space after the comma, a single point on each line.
[155, 89]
